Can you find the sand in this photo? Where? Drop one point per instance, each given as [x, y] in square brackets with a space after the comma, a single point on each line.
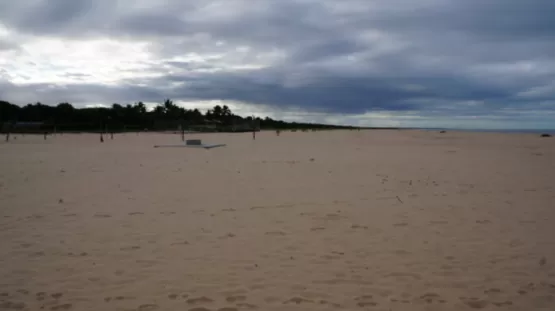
[344, 220]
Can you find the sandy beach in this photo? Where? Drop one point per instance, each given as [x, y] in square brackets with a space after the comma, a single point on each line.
[330, 220]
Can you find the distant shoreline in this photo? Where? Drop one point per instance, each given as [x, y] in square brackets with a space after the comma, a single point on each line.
[446, 130]
[502, 131]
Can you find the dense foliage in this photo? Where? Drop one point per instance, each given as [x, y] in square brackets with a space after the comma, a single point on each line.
[167, 116]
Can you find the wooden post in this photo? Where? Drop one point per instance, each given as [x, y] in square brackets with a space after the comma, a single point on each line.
[8, 128]
[253, 129]
[182, 130]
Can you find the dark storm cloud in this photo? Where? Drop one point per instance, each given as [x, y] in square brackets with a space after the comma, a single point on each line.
[346, 56]
[79, 93]
[492, 20]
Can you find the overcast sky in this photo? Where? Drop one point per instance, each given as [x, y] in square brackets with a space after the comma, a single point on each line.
[430, 63]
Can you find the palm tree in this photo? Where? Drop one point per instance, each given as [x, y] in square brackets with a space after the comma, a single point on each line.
[226, 111]
[140, 107]
[217, 111]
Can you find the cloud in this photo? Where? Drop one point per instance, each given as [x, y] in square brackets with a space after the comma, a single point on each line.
[396, 62]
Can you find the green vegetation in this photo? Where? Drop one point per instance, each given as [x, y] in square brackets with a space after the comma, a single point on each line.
[165, 117]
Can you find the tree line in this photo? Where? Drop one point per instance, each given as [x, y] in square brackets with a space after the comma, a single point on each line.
[165, 116]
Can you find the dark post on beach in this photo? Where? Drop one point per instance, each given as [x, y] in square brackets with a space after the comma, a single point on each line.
[182, 131]
[253, 129]
[8, 128]
[45, 134]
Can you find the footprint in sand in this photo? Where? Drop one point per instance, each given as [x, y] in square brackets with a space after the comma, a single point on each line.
[199, 300]
[9, 305]
[483, 222]
[317, 229]
[399, 300]
[247, 306]
[119, 272]
[474, 302]
[102, 215]
[492, 291]
[329, 303]
[147, 307]
[522, 292]
[227, 236]
[37, 254]
[333, 216]
[130, 248]
[275, 233]
[236, 298]
[363, 304]
[431, 298]
[271, 299]
[82, 254]
[359, 227]
[40, 296]
[502, 303]
[366, 301]
[298, 300]
[180, 243]
[407, 275]
[57, 295]
[438, 222]
[307, 214]
[65, 306]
